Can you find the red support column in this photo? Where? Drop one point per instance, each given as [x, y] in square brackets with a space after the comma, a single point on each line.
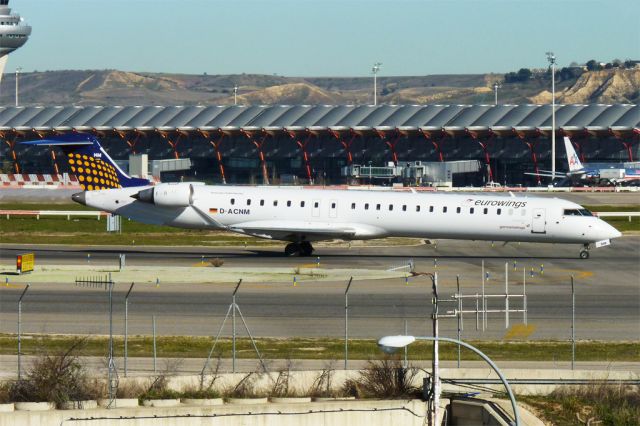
[346, 144]
[56, 169]
[391, 143]
[531, 144]
[485, 148]
[12, 148]
[259, 143]
[305, 154]
[628, 145]
[130, 141]
[216, 146]
[173, 143]
[436, 143]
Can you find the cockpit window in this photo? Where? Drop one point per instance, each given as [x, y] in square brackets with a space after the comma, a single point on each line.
[577, 212]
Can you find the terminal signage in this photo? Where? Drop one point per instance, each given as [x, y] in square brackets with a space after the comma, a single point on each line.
[25, 262]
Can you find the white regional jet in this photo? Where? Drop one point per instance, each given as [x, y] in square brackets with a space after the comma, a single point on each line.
[302, 216]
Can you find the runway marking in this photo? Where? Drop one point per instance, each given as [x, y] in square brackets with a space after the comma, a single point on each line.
[577, 273]
[519, 331]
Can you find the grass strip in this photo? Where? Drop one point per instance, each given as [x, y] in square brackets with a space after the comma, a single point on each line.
[324, 348]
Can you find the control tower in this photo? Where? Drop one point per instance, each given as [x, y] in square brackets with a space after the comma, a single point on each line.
[14, 32]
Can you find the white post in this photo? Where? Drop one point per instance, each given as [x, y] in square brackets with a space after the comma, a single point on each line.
[436, 363]
[235, 95]
[484, 306]
[552, 61]
[375, 69]
[506, 295]
[17, 87]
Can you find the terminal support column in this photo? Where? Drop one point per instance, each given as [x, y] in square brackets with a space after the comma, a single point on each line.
[216, 146]
[173, 143]
[56, 169]
[628, 145]
[437, 143]
[531, 144]
[485, 148]
[303, 147]
[346, 143]
[130, 141]
[391, 142]
[259, 144]
[11, 141]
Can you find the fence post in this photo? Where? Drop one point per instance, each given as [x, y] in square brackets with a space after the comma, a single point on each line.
[153, 323]
[573, 325]
[126, 328]
[20, 331]
[346, 323]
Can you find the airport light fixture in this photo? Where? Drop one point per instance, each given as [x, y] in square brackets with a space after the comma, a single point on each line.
[375, 69]
[551, 57]
[18, 70]
[390, 344]
[496, 86]
[235, 95]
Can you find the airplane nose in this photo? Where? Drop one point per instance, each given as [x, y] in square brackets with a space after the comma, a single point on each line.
[80, 198]
[610, 231]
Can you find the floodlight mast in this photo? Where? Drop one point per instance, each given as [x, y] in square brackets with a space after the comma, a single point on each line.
[496, 86]
[375, 69]
[551, 57]
[18, 71]
[235, 95]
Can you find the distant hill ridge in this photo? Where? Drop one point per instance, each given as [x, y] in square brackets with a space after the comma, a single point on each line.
[113, 87]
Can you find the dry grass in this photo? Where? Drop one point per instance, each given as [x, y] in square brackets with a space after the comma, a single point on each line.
[386, 379]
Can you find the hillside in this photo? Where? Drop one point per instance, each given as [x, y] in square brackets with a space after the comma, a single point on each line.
[113, 87]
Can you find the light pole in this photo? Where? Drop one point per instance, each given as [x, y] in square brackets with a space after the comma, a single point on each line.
[391, 344]
[235, 95]
[496, 86]
[552, 62]
[18, 70]
[375, 69]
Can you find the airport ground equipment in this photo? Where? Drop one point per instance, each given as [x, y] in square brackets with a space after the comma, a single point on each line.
[233, 308]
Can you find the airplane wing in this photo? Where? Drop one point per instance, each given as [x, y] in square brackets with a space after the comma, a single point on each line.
[310, 231]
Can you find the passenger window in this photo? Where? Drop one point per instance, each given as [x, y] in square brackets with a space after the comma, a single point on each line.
[486, 210]
[377, 206]
[275, 203]
[262, 202]
[288, 203]
[248, 201]
[444, 209]
[353, 206]
[366, 206]
[233, 201]
[458, 210]
[404, 208]
[316, 204]
[417, 208]
[390, 207]
[499, 211]
[430, 209]
[333, 205]
[471, 210]
[301, 203]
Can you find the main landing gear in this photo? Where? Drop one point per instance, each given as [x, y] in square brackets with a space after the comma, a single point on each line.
[584, 253]
[299, 249]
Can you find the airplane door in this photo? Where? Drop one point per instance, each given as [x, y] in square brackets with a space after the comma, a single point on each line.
[538, 225]
[333, 209]
[316, 208]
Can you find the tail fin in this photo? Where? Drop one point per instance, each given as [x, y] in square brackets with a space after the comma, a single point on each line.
[90, 162]
[574, 162]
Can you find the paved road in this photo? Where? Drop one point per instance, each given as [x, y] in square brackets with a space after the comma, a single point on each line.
[607, 293]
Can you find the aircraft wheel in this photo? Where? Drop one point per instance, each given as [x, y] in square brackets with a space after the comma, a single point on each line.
[306, 249]
[584, 254]
[292, 249]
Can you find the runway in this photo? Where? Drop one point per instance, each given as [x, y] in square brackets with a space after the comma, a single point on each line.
[607, 292]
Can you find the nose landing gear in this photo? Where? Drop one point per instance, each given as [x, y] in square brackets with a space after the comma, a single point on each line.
[299, 249]
[584, 253]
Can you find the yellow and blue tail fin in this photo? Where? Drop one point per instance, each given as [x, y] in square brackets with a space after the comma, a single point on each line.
[91, 164]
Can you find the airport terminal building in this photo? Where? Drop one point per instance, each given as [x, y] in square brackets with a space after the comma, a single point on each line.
[304, 143]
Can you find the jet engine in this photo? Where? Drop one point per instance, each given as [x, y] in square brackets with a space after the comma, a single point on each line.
[167, 195]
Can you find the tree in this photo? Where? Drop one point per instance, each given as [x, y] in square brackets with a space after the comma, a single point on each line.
[593, 65]
[524, 74]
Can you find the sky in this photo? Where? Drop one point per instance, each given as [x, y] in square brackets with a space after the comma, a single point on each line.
[323, 37]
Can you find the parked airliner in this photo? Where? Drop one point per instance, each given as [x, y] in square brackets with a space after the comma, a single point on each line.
[303, 216]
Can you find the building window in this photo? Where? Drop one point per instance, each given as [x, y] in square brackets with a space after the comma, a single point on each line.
[458, 210]
[377, 206]
[233, 201]
[301, 203]
[288, 203]
[499, 211]
[471, 210]
[262, 202]
[353, 206]
[366, 206]
[430, 209]
[444, 209]
[486, 210]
